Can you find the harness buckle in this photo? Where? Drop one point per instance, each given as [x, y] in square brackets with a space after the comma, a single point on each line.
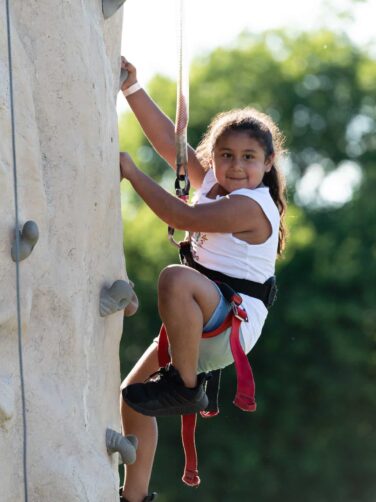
[240, 314]
[182, 191]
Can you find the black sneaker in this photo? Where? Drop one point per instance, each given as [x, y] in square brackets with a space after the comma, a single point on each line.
[149, 498]
[164, 393]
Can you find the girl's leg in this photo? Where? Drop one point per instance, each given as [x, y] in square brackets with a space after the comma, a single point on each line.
[137, 475]
[186, 301]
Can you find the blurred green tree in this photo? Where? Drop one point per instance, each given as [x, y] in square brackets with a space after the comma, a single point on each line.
[313, 435]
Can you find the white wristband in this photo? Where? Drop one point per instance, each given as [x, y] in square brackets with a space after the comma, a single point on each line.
[132, 89]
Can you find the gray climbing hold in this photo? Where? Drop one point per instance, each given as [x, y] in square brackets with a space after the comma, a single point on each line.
[6, 401]
[115, 298]
[109, 7]
[28, 238]
[123, 77]
[126, 446]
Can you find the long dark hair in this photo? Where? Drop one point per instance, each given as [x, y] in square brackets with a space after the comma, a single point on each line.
[262, 128]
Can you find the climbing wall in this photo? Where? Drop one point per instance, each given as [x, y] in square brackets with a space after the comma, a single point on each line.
[66, 59]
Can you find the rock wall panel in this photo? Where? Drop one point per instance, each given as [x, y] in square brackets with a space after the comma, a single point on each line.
[65, 71]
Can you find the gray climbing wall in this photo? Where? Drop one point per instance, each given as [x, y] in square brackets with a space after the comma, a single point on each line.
[65, 70]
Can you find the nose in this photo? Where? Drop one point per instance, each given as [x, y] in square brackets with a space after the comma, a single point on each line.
[237, 163]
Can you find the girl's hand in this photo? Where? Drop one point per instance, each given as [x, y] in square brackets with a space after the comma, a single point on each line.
[132, 73]
[127, 166]
[132, 307]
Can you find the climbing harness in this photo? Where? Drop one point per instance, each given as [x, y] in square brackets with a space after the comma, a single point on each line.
[17, 255]
[266, 292]
[245, 394]
[182, 184]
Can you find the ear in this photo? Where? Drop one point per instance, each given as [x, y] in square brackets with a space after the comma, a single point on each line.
[269, 161]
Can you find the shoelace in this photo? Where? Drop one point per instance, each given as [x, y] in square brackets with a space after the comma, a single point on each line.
[158, 375]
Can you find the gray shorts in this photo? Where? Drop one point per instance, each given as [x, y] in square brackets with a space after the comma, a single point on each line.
[215, 353]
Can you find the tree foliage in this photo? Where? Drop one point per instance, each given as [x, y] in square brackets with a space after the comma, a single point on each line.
[313, 435]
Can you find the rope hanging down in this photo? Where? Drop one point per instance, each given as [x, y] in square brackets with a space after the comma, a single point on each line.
[182, 184]
[17, 248]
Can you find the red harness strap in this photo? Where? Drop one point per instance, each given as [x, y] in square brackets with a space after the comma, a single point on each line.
[245, 393]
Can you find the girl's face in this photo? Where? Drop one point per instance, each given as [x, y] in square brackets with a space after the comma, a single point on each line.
[238, 161]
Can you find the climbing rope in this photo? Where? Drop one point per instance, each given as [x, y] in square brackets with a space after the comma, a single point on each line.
[182, 184]
[15, 185]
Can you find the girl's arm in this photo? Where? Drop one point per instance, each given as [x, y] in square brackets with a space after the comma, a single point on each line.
[232, 214]
[158, 128]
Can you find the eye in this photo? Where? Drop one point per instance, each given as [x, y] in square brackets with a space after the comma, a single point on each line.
[226, 155]
[248, 156]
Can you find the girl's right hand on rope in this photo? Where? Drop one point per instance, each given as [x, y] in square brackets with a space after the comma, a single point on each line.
[127, 166]
[132, 73]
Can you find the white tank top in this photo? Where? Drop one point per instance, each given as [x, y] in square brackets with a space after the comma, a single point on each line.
[227, 254]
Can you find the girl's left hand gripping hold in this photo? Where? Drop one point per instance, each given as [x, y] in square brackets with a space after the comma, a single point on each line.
[127, 166]
[132, 74]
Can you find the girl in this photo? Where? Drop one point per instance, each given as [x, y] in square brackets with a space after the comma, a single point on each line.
[237, 228]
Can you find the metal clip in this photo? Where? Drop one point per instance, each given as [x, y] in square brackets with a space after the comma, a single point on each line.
[235, 311]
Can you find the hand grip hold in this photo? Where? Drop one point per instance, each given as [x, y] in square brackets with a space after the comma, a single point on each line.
[29, 236]
[115, 298]
[109, 7]
[126, 446]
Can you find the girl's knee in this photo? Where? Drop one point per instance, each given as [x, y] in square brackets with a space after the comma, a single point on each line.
[171, 279]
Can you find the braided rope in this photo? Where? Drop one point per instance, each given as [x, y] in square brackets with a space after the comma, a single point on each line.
[182, 96]
[19, 324]
[181, 120]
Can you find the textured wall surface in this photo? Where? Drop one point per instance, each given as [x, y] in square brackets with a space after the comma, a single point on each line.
[65, 70]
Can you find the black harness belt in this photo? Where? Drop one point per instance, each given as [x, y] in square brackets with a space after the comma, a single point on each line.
[266, 292]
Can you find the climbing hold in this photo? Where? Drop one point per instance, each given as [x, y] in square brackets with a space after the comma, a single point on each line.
[6, 401]
[126, 446]
[28, 238]
[123, 77]
[109, 7]
[115, 298]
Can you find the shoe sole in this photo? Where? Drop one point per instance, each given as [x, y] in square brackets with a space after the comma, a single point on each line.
[176, 410]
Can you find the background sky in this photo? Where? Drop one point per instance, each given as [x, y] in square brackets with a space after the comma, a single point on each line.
[150, 26]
